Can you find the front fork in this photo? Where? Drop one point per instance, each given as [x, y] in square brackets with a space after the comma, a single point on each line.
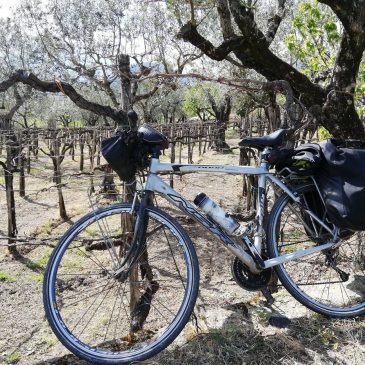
[138, 244]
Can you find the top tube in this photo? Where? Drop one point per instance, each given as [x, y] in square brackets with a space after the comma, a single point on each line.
[156, 167]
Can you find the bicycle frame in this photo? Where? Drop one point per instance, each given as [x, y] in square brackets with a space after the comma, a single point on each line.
[251, 256]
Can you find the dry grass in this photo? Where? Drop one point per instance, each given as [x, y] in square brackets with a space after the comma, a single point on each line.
[308, 340]
[241, 337]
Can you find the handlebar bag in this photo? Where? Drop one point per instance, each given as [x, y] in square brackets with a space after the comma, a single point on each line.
[126, 153]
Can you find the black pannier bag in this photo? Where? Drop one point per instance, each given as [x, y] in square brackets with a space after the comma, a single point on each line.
[126, 153]
[341, 180]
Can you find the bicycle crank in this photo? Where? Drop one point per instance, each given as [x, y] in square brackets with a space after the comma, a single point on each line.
[248, 280]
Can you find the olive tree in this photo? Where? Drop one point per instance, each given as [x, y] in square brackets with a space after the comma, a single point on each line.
[249, 45]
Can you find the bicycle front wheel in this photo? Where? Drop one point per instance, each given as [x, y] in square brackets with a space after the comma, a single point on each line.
[108, 320]
[330, 282]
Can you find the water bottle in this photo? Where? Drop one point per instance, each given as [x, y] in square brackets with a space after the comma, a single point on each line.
[216, 213]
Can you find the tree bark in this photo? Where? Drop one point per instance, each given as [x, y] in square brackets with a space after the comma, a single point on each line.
[125, 78]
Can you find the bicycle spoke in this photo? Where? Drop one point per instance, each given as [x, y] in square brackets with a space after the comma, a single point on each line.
[326, 281]
[115, 315]
[110, 318]
[82, 317]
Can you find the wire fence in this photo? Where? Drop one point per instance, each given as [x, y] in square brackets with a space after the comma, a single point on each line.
[58, 169]
[47, 166]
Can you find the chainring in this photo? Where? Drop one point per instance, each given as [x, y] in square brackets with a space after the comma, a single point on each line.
[248, 280]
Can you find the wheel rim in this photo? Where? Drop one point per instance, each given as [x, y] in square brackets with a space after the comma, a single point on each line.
[319, 279]
[92, 309]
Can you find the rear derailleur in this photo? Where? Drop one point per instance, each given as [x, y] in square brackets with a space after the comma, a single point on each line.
[331, 261]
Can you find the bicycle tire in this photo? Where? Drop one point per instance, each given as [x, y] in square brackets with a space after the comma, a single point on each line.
[153, 342]
[310, 279]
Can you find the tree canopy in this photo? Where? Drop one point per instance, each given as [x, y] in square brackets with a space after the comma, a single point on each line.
[108, 56]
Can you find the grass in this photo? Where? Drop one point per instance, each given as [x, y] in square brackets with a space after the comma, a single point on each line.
[39, 169]
[91, 231]
[69, 265]
[36, 277]
[50, 340]
[6, 278]
[232, 133]
[13, 358]
[41, 263]
[45, 229]
[78, 211]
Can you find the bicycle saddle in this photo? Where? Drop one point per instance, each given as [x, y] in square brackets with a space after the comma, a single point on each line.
[153, 137]
[274, 139]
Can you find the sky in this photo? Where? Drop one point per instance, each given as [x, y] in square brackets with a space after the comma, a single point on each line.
[5, 6]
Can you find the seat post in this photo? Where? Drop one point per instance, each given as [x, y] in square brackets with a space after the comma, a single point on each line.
[156, 151]
[264, 155]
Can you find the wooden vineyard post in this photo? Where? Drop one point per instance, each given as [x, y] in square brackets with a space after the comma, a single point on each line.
[135, 295]
[58, 177]
[92, 149]
[180, 147]
[206, 136]
[21, 175]
[20, 162]
[29, 147]
[200, 129]
[10, 200]
[82, 146]
[35, 145]
[189, 146]
[172, 140]
[72, 152]
[98, 152]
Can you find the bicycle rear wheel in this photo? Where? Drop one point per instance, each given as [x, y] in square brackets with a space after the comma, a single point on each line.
[330, 282]
[106, 320]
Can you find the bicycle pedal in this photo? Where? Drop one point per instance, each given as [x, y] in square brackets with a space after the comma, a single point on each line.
[267, 294]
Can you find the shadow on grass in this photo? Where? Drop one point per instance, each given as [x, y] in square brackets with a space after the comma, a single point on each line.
[29, 200]
[307, 340]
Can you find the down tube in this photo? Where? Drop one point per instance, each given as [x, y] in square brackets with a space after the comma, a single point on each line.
[156, 184]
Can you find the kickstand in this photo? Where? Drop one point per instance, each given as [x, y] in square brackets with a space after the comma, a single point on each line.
[267, 294]
[277, 319]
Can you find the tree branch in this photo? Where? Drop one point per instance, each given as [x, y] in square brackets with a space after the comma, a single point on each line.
[244, 18]
[225, 19]
[19, 101]
[275, 21]
[340, 8]
[351, 13]
[280, 86]
[189, 33]
[258, 56]
[138, 98]
[33, 81]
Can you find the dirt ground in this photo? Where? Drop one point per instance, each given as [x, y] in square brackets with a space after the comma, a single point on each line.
[235, 326]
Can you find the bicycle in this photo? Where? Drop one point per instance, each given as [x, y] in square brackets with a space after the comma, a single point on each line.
[124, 294]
